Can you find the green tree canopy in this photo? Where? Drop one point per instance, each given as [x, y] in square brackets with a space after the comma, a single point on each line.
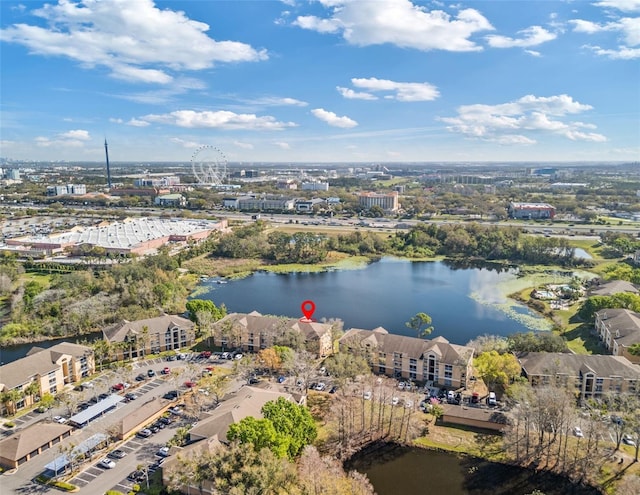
[195, 306]
[421, 324]
[290, 419]
[261, 434]
[344, 365]
[497, 369]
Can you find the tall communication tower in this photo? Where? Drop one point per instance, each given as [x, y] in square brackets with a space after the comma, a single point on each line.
[106, 152]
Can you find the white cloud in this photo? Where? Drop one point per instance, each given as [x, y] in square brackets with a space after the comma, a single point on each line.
[282, 145]
[78, 134]
[400, 23]
[532, 36]
[116, 121]
[623, 5]
[627, 29]
[185, 144]
[138, 123]
[246, 146]
[332, 119]
[622, 53]
[533, 53]
[276, 101]
[221, 119]
[509, 123]
[135, 40]
[350, 94]
[402, 91]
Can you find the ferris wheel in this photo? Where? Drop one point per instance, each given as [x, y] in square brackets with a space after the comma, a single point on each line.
[209, 166]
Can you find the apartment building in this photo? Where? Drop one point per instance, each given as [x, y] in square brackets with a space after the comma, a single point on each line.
[618, 330]
[590, 375]
[44, 371]
[254, 331]
[386, 201]
[436, 360]
[150, 336]
[531, 211]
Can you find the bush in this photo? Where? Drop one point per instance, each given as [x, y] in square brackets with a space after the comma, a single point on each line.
[63, 485]
[9, 424]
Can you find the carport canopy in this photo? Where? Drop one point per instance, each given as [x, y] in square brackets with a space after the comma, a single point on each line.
[60, 463]
[83, 418]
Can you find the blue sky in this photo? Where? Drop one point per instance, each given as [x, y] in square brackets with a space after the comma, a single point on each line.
[321, 81]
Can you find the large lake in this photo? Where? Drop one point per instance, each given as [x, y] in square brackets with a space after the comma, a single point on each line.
[463, 302]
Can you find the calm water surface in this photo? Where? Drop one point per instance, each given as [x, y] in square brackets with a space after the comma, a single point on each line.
[386, 293]
[406, 471]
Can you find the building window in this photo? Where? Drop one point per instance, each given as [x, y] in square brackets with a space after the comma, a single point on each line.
[599, 384]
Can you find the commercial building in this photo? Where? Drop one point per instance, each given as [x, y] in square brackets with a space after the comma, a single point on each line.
[151, 335]
[44, 371]
[130, 236]
[618, 330]
[315, 186]
[436, 360]
[69, 189]
[386, 201]
[253, 332]
[531, 211]
[590, 375]
[172, 200]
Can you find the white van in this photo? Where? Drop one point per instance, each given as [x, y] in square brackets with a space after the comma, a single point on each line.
[492, 401]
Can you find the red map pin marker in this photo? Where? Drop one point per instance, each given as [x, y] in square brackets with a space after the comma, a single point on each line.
[308, 307]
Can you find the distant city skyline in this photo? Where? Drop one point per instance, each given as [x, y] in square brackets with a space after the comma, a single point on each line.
[324, 81]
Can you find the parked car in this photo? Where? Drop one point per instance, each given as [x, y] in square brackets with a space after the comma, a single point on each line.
[189, 384]
[395, 401]
[60, 419]
[166, 370]
[451, 396]
[136, 476]
[320, 387]
[166, 420]
[205, 354]
[408, 404]
[117, 454]
[627, 440]
[172, 394]
[144, 433]
[492, 400]
[42, 409]
[118, 386]
[577, 431]
[107, 463]
[367, 395]
[333, 389]
[281, 379]
[103, 396]
[141, 377]
[175, 410]
[163, 452]
[131, 396]
[151, 373]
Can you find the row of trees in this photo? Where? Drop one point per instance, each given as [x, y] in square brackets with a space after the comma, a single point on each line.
[423, 240]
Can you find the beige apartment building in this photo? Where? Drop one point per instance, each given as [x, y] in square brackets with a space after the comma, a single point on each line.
[254, 331]
[386, 201]
[590, 375]
[618, 330]
[44, 371]
[420, 360]
[150, 336]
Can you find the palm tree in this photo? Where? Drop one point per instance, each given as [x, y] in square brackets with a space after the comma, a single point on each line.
[12, 397]
[32, 390]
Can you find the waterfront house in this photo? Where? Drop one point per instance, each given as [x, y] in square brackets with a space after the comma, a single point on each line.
[590, 375]
[254, 331]
[420, 360]
[150, 336]
[44, 371]
[618, 330]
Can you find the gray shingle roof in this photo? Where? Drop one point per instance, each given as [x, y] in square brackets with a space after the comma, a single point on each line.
[614, 287]
[25, 441]
[160, 324]
[623, 324]
[548, 363]
[411, 347]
